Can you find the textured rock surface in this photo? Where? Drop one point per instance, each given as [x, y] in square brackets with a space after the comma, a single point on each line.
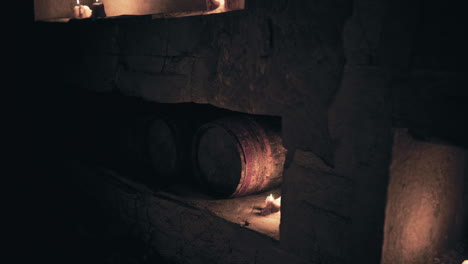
[426, 210]
[287, 59]
[172, 228]
[271, 59]
[275, 58]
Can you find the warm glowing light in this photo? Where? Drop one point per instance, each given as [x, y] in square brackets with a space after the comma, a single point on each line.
[270, 198]
[465, 262]
[272, 205]
[221, 7]
[222, 4]
[78, 2]
[277, 202]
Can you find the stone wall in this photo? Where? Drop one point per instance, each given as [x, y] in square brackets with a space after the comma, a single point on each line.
[173, 230]
[333, 70]
[394, 40]
[426, 212]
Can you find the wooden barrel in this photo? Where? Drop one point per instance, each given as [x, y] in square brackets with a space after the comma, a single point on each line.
[169, 148]
[151, 148]
[237, 156]
[160, 145]
[141, 140]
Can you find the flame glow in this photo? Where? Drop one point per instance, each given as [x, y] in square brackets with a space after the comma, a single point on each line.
[271, 206]
[465, 262]
[270, 198]
[221, 8]
[78, 2]
[277, 201]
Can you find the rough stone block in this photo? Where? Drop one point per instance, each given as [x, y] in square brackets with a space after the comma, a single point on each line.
[96, 73]
[317, 235]
[148, 64]
[319, 188]
[144, 37]
[425, 214]
[155, 87]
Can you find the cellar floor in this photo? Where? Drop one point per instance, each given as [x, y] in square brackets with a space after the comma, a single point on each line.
[244, 211]
[107, 218]
[241, 211]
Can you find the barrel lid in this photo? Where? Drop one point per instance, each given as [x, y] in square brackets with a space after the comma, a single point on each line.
[218, 159]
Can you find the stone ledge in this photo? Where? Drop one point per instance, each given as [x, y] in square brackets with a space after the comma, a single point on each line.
[179, 225]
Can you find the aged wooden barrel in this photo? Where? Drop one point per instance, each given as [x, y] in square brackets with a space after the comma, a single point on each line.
[169, 148]
[237, 156]
[160, 145]
[151, 148]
